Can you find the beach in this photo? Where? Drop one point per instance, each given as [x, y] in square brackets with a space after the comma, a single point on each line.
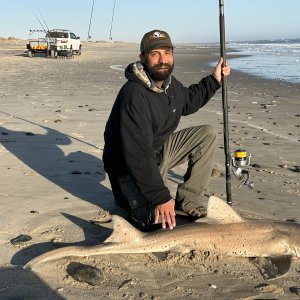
[54, 191]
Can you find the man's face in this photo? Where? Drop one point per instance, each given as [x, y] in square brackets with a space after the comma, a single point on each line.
[159, 63]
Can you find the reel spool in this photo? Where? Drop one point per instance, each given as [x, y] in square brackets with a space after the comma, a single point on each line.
[240, 159]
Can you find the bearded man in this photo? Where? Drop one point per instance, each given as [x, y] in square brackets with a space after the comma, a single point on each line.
[141, 144]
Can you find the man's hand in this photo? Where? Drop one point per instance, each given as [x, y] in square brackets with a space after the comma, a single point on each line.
[218, 68]
[167, 213]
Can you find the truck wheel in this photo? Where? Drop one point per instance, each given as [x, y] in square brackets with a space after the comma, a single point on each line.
[30, 53]
[79, 51]
[53, 53]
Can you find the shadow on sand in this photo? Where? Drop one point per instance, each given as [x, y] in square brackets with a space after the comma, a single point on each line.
[17, 283]
[78, 173]
[94, 234]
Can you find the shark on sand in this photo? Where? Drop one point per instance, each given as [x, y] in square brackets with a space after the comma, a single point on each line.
[223, 232]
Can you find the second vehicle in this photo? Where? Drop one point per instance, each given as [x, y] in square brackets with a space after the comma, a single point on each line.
[63, 43]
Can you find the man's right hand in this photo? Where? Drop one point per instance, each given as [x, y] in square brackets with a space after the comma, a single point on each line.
[167, 213]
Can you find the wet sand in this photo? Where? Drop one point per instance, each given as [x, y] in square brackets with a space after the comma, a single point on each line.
[55, 191]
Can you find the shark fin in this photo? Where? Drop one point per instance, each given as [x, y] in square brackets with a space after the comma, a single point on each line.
[219, 212]
[273, 267]
[123, 231]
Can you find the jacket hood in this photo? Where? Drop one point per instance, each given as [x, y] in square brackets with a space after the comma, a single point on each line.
[136, 72]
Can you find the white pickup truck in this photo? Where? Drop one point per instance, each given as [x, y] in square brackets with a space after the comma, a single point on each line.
[63, 42]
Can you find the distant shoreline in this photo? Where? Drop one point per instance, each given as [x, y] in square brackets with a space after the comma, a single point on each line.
[232, 54]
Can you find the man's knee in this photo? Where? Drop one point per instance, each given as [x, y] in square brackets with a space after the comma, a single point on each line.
[210, 131]
[207, 133]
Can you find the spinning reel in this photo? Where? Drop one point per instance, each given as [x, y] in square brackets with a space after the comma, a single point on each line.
[240, 160]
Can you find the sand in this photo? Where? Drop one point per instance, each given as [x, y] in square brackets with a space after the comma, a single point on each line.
[54, 189]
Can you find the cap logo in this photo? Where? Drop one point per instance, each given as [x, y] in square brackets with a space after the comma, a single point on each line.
[157, 35]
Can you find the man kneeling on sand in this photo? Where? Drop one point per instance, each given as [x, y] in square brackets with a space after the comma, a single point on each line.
[141, 145]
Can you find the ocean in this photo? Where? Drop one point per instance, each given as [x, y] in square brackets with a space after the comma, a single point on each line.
[273, 59]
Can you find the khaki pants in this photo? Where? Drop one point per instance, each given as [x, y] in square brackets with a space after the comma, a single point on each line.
[196, 146]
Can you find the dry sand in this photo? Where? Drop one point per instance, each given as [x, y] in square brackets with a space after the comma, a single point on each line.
[52, 117]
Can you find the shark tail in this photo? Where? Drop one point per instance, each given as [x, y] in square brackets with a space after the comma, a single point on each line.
[123, 232]
[77, 251]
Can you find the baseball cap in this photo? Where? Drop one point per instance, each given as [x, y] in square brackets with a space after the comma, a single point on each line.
[155, 39]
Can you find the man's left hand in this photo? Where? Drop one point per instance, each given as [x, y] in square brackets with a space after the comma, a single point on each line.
[225, 70]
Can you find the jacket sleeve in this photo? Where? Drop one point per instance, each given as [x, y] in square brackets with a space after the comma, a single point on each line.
[197, 95]
[137, 139]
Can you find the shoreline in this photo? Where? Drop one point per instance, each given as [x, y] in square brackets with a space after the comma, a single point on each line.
[54, 188]
[206, 48]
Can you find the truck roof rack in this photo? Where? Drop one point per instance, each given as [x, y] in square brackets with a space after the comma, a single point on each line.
[59, 30]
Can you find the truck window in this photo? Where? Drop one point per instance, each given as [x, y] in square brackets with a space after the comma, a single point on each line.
[58, 35]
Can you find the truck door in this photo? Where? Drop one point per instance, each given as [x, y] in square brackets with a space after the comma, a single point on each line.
[75, 42]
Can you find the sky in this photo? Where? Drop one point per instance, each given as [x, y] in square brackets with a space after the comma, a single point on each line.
[194, 21]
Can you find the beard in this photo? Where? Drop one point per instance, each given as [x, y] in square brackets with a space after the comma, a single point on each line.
[159, 72]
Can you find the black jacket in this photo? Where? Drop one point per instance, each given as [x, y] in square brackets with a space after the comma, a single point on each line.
[140, 122]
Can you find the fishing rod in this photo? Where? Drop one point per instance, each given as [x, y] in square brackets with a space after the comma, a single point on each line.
[112, 19]
[44, 20]
[38, 20]
[89, 37]
[225, 104]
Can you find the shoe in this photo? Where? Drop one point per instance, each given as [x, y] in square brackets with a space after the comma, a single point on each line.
[194, 214]
[142, 226]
